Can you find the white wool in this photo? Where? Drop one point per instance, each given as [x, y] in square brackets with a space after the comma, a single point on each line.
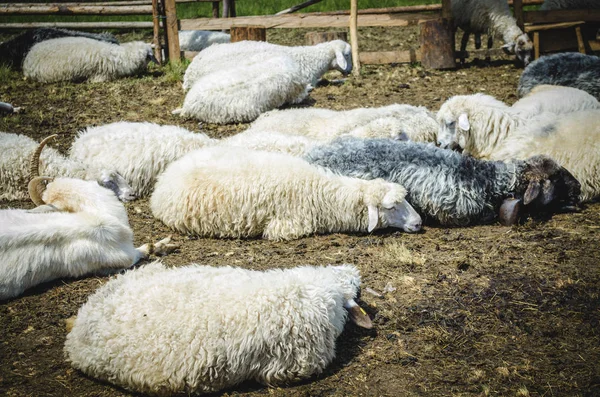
[235, 192]
[137, 151]
[241, 94]
[555, 99]
[572, 139]
[88, 232]
[392, 121]
[269, 141]
[198, 40]
[200, 329]
[14, 168]
[81, 58]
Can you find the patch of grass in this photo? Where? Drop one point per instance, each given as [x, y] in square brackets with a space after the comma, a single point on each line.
[173, 71]
[396, 252]
[7, 74]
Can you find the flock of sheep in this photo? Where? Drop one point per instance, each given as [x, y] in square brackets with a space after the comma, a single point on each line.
[292, 173]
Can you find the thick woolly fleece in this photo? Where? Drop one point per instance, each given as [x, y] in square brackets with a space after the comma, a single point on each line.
[554, 99]
[392, 121]
[198, 40]
[13, 51]
[137, 151]
[80, 58]
[200, 329]
[442, 185]
[89, 232]
[235, 192]
[570, 4]
[570, 69]
[15, 164]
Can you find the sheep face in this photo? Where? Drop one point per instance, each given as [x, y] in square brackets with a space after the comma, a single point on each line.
[394, 211]
[115, 182]
[453, 132]
[522, 48]
[343, 57]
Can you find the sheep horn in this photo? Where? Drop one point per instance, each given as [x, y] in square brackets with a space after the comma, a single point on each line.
[34, 164]
[34, 190]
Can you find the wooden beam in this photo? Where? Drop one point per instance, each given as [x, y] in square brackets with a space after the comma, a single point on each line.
[557, 16]
[106, 3]
[305, 21]
[385, 57]
[77, 25]
[76, 10]
[156, 31]
[248, 32]
[172, 30]
[354, 37]
[298, 7]
[446, 9]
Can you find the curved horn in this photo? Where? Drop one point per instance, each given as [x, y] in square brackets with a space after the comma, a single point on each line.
[34, 164]
[34, 191]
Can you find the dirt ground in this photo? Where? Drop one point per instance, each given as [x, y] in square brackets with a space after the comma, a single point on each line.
[483, 310]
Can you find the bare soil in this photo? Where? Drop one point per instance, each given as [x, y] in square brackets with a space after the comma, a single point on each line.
[483, 310]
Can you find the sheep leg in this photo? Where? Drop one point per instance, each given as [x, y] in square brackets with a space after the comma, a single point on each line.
[163, 247]
[490, 43]
[463, 47]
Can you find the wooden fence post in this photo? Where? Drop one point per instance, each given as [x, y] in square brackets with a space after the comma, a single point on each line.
[437, 40]
[248, 32]
[172, 30]
[156, 31]
[354, 36]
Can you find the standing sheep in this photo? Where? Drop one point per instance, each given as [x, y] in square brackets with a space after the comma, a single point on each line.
[239, 193]
[198, 40]
[80, 58]
[494, 18]
[200, 329]
[393, 121]
[13, 51]
[137, 151]
[14, 169]
[449, 188]
[78, 228]
[570, 69]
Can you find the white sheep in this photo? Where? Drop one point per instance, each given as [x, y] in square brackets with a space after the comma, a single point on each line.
[494, 18]
[199, 329]
[392, 121]
[81, 58]
[235, 192]
[137, 151]
[78, 228]
[242, 92]
[554, 99]
[313, 61]
[14, 169]
[486, 128]
[198, 40]
[269, 141]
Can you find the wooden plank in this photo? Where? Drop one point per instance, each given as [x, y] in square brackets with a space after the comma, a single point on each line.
[354, 36]
[580, 43]
[304, 21]
[385, 57]
[104, 3]
[172, 30]
[156, 31]
[76, 10]
[557, 16]
[551, 26]
[77, 25]
[248, 32]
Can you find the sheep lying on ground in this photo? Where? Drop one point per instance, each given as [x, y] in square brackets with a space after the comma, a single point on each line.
[569, 4]
[13, 51]
[137, 151]
[78, 228]
[570, 69]
[394, 121]
[234, 192]
[554, 99]
[14, 169]
[295, 145]
[493, 133]
[241, 93]
[198, 40]
[447, 187]
[200, 329]
[80, 58]
[494, 18]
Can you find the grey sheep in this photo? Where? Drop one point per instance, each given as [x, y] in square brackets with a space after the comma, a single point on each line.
[569, 4]
[570, 69]
[449, 188]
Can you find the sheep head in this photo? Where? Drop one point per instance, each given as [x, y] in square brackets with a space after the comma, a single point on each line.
[522, 47]
[112, 180]
[391, 208]
[34, 173]
[349, 280]
[343, 56]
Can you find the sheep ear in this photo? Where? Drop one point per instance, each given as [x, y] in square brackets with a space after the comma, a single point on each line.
[463, 122]
[509, 211]
[533, 190]
[373, 218]
[341, 60]
[548, 192]
[509, 48]
[357, 315]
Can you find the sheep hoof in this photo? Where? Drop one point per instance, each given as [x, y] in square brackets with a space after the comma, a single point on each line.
[177, 111]
[164, 247]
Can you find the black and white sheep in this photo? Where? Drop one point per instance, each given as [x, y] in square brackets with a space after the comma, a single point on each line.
[13, 51]
[570, 69]
[494, 18]
[447, 187]
[200, 329]
[78, 228]
[239, 193]
[14, 169]
[81, 58]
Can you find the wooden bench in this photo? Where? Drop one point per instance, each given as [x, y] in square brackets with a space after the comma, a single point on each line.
[554, 37]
